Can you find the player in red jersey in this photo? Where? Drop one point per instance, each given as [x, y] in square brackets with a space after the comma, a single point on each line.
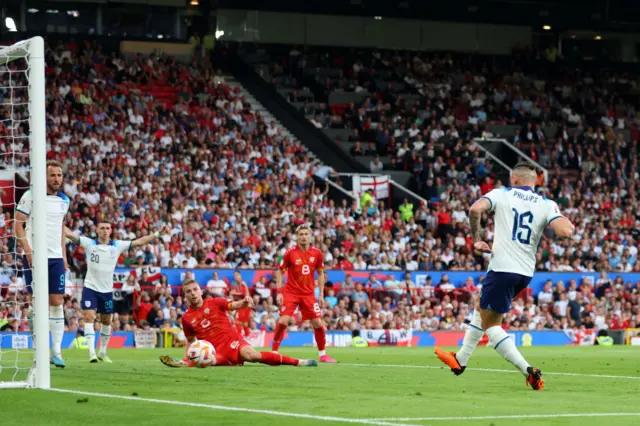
[239, 290]
[301, 262]
[208, 320]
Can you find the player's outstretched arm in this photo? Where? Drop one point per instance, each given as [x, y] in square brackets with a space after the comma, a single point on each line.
[562, 227]
[140, 242]
[247, 302]
[71, 236]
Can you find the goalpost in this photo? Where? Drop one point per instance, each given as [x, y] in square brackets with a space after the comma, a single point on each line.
[24, 361]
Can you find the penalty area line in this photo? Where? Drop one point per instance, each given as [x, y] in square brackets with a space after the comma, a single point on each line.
[515, 416]
[236, 409]
[492, 370]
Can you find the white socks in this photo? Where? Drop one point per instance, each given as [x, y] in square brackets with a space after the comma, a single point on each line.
[90, 335]
[56, 325]
[472, 337]
[504, 345]
[105, 335]
[322, 353]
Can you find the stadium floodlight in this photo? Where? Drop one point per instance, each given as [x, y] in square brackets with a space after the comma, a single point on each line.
[24, 360]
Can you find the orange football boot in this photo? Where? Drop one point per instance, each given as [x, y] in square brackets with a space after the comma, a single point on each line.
[535, 378]
[450, 359]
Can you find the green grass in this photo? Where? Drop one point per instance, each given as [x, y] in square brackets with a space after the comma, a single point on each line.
[386, 390]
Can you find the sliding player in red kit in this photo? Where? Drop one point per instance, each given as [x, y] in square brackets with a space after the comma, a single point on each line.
[301, 262]
[208, 320]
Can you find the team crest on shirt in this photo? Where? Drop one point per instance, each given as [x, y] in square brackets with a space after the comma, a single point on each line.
[206, 311]
[312, 259]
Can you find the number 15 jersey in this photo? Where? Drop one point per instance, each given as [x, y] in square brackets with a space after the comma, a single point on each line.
[521, 215]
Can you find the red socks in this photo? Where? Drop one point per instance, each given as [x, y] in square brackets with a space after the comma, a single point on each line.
[278, 336]
[247, 331]
[270, 358]
[321, 337]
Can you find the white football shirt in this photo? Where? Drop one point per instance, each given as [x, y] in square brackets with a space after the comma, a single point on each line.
[101, 262]
[57, 207]
[521, 215]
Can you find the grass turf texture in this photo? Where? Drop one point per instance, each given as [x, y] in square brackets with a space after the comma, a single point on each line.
[398, 387]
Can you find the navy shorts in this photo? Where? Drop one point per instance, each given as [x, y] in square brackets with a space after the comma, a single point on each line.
[56, 276]
[95, 301]
[499, 288]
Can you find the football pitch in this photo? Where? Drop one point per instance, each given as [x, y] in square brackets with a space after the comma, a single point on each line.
[370, 386]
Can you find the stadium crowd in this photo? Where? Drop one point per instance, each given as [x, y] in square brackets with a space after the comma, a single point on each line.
[149, 141]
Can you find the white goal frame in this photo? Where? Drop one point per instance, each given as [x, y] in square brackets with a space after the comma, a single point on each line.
[39, 375]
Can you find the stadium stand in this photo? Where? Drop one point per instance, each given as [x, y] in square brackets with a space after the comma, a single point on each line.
[150, 141]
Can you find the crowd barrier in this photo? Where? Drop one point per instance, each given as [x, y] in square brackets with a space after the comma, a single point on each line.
[252, 277]
[334, 339]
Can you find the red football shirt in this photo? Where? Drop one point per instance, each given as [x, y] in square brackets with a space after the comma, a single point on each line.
[210, 322]
[301, 266]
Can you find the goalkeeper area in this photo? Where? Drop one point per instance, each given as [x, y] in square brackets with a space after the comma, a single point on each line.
[370, 386]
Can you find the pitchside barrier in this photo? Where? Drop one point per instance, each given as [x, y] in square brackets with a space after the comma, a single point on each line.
[168, 338]
[337, 277]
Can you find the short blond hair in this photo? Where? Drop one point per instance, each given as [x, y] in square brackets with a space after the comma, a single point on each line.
[303, 227]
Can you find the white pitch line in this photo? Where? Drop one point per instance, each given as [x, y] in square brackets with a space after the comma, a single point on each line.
[236, 409]
[515, 416]
[433, 367]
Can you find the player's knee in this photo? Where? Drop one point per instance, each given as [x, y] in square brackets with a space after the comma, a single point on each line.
[284, 320]
[105, 319]
[56, 300]
[316, 323]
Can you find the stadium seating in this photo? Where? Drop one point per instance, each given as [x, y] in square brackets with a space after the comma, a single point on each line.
[149, 141]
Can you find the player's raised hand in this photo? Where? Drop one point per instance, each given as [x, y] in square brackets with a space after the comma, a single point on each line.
[279, 299]
[481, 247]
[165, 230]
[247, 302]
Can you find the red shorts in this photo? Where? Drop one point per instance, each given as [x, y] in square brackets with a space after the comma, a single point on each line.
[308, 305]
[228, 351]
[244, 315]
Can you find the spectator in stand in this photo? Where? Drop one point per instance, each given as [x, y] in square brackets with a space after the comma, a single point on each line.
[216, 286]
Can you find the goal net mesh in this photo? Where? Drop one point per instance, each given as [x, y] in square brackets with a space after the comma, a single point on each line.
[16, 353]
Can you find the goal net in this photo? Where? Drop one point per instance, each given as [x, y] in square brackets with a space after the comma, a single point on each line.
[24, 334]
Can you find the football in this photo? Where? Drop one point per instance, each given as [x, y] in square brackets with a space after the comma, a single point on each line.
[201, 354]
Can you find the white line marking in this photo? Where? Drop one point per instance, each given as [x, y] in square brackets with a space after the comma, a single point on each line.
[516, 416]
[236, 409]
[545, 373]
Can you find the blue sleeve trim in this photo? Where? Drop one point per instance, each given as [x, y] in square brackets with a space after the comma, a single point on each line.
[554, 218]
[487, 198]
[23, 212]
[64, 197]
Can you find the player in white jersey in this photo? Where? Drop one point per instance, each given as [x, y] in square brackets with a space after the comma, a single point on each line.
[97, 295]
[521, 216]
[57, 206]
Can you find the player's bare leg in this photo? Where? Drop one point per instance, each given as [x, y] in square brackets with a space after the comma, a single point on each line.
[105, 336]
[56, 325]
[321, 340]
[90, 333]
[505, 346]
[457, 361]
[281, 328]
[249, 354]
